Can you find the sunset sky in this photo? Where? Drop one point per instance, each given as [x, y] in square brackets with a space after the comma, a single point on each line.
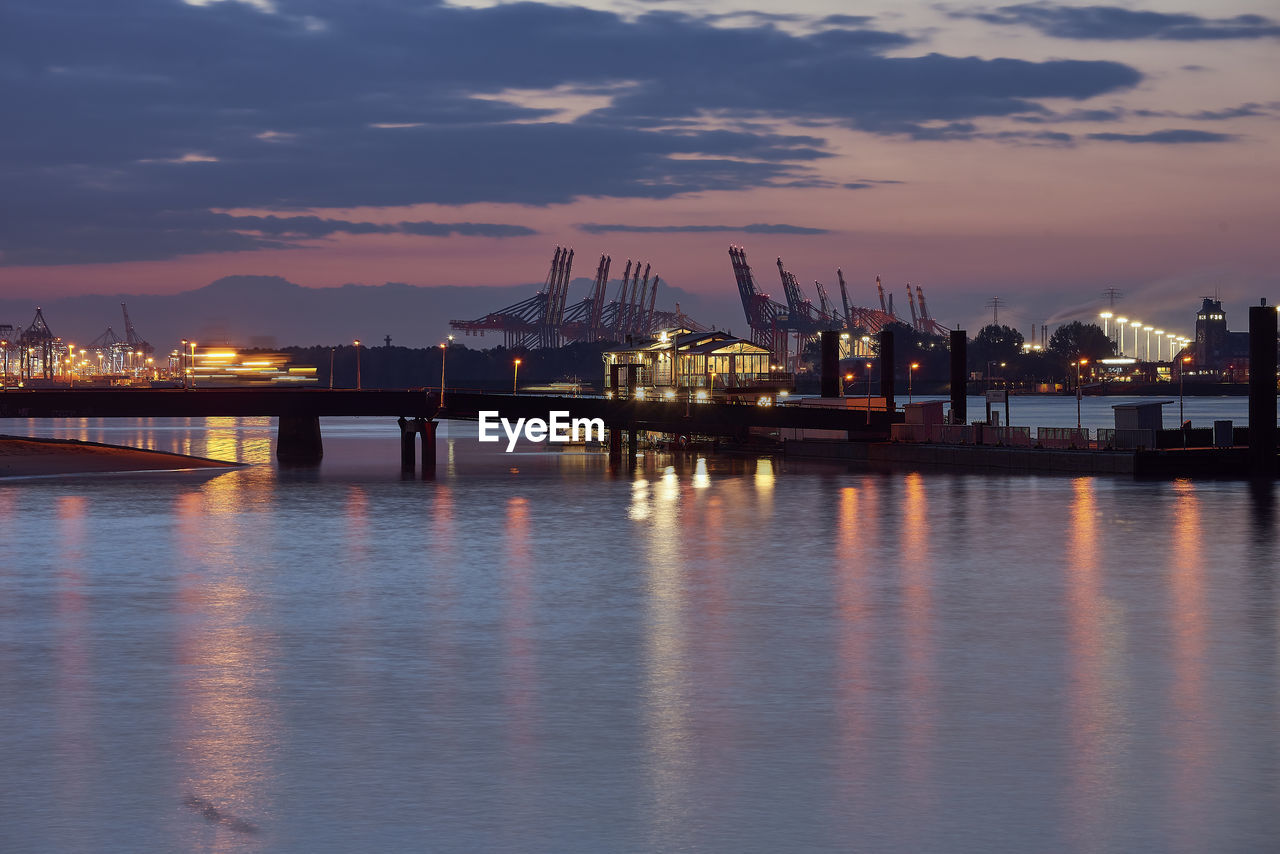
[1038, 152]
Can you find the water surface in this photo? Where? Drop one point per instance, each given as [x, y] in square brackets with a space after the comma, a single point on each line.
[531, 652]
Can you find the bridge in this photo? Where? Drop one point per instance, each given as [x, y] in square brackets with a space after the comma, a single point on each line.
[299, 411]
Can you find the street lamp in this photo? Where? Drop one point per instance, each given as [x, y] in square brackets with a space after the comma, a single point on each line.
[444, 351]
[514, 376]
[1121, 323]
[1106, 322]
[1182, 424]
[357, 343]
[911, 369]
[1159, 340]
[868, 391]
[1147, 329]
[1079, 391]
[848, 378]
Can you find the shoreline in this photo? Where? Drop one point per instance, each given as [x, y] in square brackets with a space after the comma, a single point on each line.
[27, 456]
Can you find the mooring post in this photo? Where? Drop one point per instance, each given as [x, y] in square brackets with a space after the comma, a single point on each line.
[408, 461]
[959, 376]
[615, 444]
[427, 429]
[887, 367]
[832, 382]
[1262, 389]
[298, 440]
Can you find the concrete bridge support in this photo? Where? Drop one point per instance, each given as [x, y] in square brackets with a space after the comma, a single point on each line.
[409, 431]
[298, 440]
[427, 430]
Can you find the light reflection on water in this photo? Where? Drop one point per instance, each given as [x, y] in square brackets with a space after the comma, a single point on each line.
[536, 653]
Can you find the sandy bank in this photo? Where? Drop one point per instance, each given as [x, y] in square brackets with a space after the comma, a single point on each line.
[22, 456]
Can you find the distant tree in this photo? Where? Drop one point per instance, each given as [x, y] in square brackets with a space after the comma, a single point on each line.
[1076, 340]
[994, 343]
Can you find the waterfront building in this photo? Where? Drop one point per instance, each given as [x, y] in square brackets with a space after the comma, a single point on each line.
[678, 361]
[1218, 352]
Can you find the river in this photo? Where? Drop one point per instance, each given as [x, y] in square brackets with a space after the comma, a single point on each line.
[529, 652]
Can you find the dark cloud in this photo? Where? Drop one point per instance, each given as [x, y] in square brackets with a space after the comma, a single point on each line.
[758, 228]
[1113, 23]
[136, 112]
[1166, 137]
[1112, 115]
[1249, 110]
[868, 183]
[83, 238]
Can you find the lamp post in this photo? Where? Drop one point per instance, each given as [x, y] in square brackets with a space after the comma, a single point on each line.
[1079, 392]
[868, 390]
[1121, 323]
[1182, 424]
[1147, 353]
[515, 375]
[357, 343]
[444, 351]
[1106, 323]
[182, 362]
[4, 345]
[331, 349]
[848, 378]
[911, 370]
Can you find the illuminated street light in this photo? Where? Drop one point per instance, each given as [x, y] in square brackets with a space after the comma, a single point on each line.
[868, 392]
[1147, 353]
[1135, 325]
[1121, 323]
[1159, 339]
[444, 351]
[1106, 321]
[357, 343]
[911, 369]
[514, 376]
[1079, 391]
[1182, 424]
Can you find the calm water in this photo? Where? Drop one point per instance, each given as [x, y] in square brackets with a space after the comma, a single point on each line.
[530, 653]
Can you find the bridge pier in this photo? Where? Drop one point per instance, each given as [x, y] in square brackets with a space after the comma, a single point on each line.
[615, 444]
[408, 451]
[427, 430]
[298, 440]
[409, 431]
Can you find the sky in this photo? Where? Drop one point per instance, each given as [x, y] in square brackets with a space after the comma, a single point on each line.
[1037, 152]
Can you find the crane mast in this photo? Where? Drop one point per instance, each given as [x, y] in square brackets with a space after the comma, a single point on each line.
[844, 299]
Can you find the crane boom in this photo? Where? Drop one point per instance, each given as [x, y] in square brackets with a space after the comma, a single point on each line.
[844, 299]
[880, 288]
[911, 300]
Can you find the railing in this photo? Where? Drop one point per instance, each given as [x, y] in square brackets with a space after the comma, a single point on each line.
[1063, 437]
[975, 434]
[1125, 440]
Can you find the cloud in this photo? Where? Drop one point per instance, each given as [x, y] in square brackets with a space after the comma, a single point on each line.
[124, 117]
[1249, 110]
[757, 228]
[1113, 23]
[87, 239]
[1165, 137]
